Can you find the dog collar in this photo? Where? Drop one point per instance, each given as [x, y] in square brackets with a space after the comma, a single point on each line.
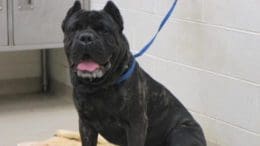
[128, 73]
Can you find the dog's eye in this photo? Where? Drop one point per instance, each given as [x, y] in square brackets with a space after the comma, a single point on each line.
[102, 29]
[78, 26]
[75, 27]
[105, 31]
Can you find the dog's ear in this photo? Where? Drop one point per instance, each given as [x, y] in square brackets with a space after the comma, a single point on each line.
[112, 9]
[76, 7]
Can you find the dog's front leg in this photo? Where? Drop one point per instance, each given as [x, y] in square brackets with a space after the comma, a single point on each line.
[136, 132]
[88, 135]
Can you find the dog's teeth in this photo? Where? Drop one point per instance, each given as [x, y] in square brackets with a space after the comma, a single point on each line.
[88, 75]
[99, 74]
[79, 73]
[108, 65]
[85, 75]
[94, 75]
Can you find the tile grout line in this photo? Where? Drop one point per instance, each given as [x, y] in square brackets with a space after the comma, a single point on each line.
[202, 22]
[224, 122]
[204, 70]
[218, 26]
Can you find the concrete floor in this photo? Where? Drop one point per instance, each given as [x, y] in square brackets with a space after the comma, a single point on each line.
[34, 117]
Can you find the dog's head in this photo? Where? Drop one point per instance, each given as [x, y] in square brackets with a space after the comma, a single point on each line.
[94, 43]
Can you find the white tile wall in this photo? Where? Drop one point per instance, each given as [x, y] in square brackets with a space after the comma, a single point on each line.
[209, 93]
[208, 55]
[198, 44]
[143, 5]
[238, 14]
[186, 9]
[225, 134]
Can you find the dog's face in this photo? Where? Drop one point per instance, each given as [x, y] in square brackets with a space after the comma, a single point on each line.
[94, 43]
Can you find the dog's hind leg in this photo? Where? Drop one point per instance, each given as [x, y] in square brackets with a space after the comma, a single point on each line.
[186, 134]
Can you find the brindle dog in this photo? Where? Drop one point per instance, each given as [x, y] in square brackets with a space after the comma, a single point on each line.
[136, 112]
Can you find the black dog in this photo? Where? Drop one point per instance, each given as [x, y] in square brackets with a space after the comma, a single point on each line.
[135, 112]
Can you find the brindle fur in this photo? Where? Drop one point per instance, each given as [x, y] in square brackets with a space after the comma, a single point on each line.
[137, 112]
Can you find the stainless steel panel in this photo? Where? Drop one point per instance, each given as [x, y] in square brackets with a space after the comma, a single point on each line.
[25, 4]
[3, 23]
[39, 22]
[10, 23]
[1, 5]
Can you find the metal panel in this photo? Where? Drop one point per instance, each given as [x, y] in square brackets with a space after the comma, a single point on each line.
[3, 23]
[39, 21]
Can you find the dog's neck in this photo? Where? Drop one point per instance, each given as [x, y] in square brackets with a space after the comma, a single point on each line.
[129, 69]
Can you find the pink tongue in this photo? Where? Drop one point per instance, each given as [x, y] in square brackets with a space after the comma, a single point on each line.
[89, 66]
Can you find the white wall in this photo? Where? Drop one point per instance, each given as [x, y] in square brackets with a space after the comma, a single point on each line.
[208, 55]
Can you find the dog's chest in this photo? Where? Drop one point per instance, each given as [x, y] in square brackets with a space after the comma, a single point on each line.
[103, 110]
[105, 115]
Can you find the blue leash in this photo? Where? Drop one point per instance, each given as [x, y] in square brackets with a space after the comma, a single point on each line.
[130, 71]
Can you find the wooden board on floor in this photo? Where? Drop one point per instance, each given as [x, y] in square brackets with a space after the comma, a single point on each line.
[64, 138]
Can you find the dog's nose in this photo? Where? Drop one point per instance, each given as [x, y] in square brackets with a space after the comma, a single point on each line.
[86, 38]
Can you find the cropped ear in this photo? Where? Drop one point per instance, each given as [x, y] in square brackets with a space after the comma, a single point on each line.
[112, 10]
[76, 7]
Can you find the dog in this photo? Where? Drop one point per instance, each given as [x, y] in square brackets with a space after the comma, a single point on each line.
[138, 111]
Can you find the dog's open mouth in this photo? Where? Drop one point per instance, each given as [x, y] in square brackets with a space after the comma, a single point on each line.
[91, 70]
